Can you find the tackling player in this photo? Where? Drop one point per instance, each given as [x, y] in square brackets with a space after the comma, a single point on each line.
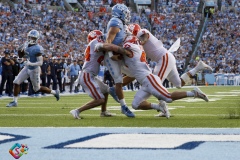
[87, 79]
[115, 35]
[111, 90]
[151, 84]
[32, 69]
[166, 62]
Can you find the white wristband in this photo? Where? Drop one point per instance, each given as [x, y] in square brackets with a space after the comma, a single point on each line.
[110, 54]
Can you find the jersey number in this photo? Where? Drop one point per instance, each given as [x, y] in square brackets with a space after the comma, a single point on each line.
[87, 54]
[143, 57]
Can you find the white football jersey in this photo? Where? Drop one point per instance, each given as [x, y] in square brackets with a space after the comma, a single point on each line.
[137, 63]
[153, 47]
[92, 59]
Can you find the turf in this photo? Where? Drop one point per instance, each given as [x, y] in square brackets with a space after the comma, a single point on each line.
[223, 111]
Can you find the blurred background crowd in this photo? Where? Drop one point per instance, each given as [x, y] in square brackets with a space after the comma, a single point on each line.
[64, 32]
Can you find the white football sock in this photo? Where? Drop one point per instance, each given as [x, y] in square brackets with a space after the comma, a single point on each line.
[122, 102]
[190, 94]
[15, 99]
[155, 106]
[53, 92]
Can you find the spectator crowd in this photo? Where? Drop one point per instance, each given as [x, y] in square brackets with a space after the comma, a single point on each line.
[63, 33]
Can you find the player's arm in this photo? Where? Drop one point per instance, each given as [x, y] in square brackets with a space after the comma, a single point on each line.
[109, 39]
[114, 48]
[39, 61]
[112, 34]
[143, 38]
[20, 50]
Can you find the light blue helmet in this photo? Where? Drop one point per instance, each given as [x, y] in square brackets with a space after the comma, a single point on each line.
[33, 36]
[122, 12]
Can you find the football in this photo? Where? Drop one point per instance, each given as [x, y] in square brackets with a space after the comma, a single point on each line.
[21, 51]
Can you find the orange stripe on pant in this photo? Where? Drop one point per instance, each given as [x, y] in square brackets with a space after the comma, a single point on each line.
[165, 67]
[155, 86]
[163, 63]
[163, 89]
[88, 75]
[85, 81]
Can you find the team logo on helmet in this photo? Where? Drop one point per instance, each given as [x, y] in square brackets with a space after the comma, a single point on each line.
[94, 34]
[122, 12]
[134, 28]
[33, 37]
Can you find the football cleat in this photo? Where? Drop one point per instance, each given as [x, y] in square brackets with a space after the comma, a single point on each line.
[164, 109]
[201, 65]
[126, 111]
[161, 114]
[75, 113]
[112, 92]
[57, 95]
[199, 94]
[12, 104]
[107, 114]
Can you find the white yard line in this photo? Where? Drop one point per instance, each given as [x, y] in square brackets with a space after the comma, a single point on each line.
[94, 115]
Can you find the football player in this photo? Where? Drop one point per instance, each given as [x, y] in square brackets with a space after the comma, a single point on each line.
[111, 90]
[88, 80]
[32, 69]
[166, 62]
[115, 35]
[151, 84]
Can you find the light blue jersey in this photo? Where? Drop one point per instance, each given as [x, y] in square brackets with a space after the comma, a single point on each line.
[32, 53]
[116, 22]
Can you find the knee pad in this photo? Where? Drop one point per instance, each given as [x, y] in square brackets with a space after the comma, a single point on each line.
[168, 100]
[36, 88]
[16, 81]
[103, 87]
[135, 104]
[118, 78]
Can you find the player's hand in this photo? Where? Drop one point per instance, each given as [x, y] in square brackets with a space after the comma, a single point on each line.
[115, 57]
[98, 47]
[141, 41]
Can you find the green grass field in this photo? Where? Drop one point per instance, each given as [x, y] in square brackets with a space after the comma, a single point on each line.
[223, 111]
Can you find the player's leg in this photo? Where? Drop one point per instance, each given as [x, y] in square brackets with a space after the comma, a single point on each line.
[114, 68]
[104, 112]
[23, 75]
[164, 66]
[92, 89]
[35, 79]
[174, 78]
[140, 102]
[169, 97]
[106, 89]
[200, 66]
